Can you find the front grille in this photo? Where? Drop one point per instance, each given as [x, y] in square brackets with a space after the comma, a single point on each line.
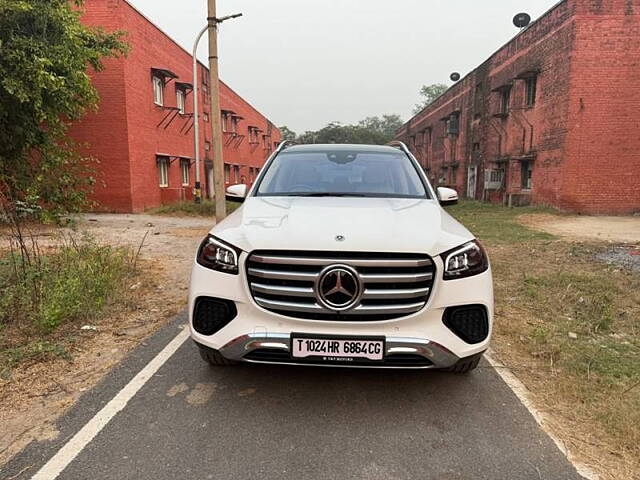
[394, 285]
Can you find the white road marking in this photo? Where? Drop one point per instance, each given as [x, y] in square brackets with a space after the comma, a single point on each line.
[73, 447]
[524, 396]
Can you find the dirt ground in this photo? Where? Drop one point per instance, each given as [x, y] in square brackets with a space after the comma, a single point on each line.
[604, 229]
[37, 393]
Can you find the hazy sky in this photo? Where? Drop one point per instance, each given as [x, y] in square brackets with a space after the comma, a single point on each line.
[305, 63]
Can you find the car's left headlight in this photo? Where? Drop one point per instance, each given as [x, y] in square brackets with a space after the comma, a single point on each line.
[217, 255]
[465, 261]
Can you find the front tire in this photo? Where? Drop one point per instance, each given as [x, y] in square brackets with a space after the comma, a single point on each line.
[214, 357]
[465, 365]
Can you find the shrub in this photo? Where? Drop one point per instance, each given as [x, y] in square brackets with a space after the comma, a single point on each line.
[76, 281]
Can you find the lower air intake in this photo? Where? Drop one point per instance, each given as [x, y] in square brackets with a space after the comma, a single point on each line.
[470, 322]
[211, 315]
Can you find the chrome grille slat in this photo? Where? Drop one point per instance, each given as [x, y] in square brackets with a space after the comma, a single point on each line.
[397, 278]
[387, 294]
[288, 306]
[354, 262]
[386, 309]
[280, 275]
[278, 290]
[394, 284]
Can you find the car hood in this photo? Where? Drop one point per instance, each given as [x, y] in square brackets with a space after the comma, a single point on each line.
[364, 224]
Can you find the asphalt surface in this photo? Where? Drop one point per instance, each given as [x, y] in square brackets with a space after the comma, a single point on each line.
[191, 421]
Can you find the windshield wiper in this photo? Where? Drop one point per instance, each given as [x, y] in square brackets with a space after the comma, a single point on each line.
[325, 194]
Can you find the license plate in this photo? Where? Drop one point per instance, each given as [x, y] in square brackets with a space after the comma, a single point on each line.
[337, 348]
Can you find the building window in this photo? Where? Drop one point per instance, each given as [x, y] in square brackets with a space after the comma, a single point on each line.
[531, 85]
[207, 146]
[505, 98]
[453, 124]
[181, 100]
[236, 173]
[184, 170]
[158, 91]
[527, 174]
[163, 171]
[227, 173]
[205, 117]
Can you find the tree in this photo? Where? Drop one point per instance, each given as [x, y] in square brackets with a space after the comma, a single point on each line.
[371, 130]
[387, 125]
[430, 94]
[45, 52]
[287, 134]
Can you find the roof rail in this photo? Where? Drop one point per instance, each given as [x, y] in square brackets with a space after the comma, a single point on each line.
[401, 145]
[284, 144]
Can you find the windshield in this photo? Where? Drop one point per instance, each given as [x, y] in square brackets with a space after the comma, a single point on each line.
[342, 173]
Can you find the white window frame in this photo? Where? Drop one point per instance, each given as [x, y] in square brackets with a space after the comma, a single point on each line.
[181, 101]
[185, 167]
[163, 171]
[158, 91]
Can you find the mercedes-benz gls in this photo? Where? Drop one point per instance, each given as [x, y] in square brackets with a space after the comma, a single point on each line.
[342, 255]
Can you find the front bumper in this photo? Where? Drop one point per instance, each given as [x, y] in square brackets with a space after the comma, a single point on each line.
[408, 351]
[419, 335]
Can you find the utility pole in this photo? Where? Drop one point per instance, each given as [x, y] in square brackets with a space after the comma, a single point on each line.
[196, 116]
[216, 120]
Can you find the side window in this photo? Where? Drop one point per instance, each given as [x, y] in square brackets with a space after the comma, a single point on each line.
[181, 101]
[527, 174]
[505, 99]
[184, 169]
[158, 91]
[163, 171]
[531, 91]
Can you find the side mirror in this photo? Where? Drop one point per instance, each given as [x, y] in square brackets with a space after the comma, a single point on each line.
[237, 193]
[447, 196]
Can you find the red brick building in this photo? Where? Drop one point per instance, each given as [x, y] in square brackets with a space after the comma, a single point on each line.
[553, 117]
[142, 135]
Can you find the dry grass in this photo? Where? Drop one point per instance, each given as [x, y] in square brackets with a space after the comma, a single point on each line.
[191, 209]
[568, 327]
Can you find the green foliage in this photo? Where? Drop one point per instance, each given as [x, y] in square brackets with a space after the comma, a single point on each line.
[371, 130]
[430, 94]
[44, 55]
[287, 134]
[76, 282]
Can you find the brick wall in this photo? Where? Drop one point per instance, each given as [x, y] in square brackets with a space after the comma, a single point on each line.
[578, 136]
[602, 171]
[130, 131]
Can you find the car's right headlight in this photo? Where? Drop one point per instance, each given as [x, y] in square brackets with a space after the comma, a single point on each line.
[465, 261]
[217, 255]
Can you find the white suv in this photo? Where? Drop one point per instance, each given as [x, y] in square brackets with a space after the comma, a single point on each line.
[342, 255]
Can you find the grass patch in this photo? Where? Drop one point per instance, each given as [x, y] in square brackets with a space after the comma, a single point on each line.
[76, 281]
[497, 224]
[568, 325]
[191, 209]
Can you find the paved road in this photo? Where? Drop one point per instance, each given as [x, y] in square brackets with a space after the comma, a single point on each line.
[193, 422]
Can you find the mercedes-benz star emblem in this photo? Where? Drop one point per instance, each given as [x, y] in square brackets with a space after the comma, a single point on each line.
[340, 238]
[338, 288]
